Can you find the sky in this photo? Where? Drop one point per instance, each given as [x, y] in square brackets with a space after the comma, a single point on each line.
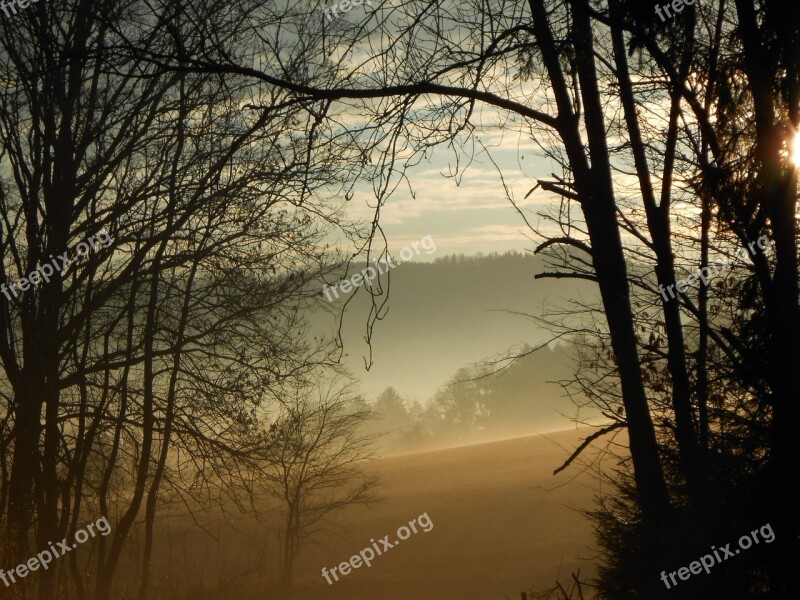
[469, 214]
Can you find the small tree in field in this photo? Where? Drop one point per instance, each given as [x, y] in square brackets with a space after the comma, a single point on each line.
[315, 450]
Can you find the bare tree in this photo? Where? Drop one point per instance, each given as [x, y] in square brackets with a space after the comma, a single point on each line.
[150, 359]
[317, 454]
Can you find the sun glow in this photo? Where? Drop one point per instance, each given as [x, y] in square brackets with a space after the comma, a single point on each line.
[794, 152]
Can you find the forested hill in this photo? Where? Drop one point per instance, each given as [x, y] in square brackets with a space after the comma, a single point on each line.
[445, 314]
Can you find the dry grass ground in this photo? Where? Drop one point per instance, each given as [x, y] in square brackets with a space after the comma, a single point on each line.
[502, 524]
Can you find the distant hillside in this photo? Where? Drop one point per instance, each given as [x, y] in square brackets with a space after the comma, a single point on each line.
[479, 404]
[444, 315]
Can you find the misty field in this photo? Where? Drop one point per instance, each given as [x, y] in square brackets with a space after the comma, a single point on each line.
[502, 524]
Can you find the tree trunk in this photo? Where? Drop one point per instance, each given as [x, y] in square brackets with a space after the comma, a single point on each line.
[20, 489]
[777, 193]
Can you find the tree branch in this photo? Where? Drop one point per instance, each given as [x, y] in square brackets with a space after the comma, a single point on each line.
[586, 443]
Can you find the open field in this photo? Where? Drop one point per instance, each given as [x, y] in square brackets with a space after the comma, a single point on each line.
[502, 523]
